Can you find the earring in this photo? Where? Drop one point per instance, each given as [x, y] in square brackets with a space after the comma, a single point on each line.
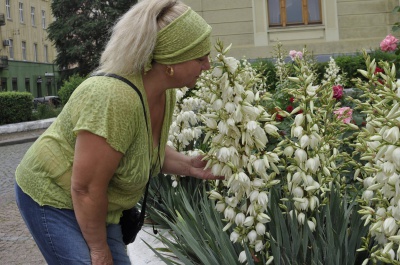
[169, 71]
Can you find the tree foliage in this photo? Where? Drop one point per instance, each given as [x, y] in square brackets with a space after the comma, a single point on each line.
[80, 31]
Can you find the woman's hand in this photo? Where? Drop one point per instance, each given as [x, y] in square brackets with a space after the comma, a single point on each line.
[176, 163]
[197, 169]
[101, 257]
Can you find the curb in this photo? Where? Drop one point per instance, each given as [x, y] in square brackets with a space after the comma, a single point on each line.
[23, 132]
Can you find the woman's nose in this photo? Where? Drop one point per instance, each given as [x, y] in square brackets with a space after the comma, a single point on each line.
[206, 64]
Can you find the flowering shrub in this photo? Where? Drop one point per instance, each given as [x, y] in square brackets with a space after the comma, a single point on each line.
[239, 132]
[378, 146]
[230, 117]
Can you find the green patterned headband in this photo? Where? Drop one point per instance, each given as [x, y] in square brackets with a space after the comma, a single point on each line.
[184, 39]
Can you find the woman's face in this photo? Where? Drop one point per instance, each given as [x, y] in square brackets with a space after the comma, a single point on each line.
[187, 73]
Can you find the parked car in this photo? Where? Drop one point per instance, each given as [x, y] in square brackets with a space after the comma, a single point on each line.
[49, 100]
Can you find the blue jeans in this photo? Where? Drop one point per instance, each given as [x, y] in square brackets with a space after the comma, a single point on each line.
[58, 236]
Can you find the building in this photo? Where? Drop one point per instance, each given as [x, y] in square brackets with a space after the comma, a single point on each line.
[325, 27]
[26, 55]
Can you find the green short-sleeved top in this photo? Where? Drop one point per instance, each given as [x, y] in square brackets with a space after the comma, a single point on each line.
[111, 109]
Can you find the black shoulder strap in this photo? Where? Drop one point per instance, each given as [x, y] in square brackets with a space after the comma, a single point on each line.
[123, 79]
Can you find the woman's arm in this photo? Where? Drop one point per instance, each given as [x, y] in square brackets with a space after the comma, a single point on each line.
[176, 163]
[95, 162]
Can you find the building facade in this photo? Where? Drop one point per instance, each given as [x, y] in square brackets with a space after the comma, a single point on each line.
[325, 27]
[26, 55]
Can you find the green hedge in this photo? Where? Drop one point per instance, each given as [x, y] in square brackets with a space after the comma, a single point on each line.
[15, 107]
[349, 64]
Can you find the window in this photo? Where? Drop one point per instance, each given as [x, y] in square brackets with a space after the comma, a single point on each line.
[46, 57]
[43, 19]
[27, 84]
[4, 83]
[33, 16]
[284, 13]
[14, 84]
[8, 9]
[11, 48]
[23, 45]
[21, 12]
[35, 52]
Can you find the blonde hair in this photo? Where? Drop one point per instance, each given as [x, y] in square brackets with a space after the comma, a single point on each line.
[134, 35]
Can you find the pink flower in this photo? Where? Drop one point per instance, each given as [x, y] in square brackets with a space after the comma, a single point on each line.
[344, 114]
[337, 92]
[389, 43]
[295, 54]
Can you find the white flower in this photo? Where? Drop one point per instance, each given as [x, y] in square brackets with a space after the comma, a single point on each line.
[258, 245]
[263, 218]
[251, 126]
[239, 219]
[259, 166]
[217, 104]
[220, 206]
[300, 155]
[234, 237]
[252, 236]
[367, 195]
[396, 157]
[254, 195]
[223, 127]
[215, 195]
[231, 63]
[391, 135]
[242, 257]
[304, 141]
[312, 164]
[311, 90]
[230, 107]
[223, 154]
[311, 225]
[271, 129]
[314, 203]
[288, 151]
[301, 218]
[368, 182]
[217, 71]
[260, 229]
[263, 199]
[298, 120]
[298, 192]
[390, 226]
[216, 169]
[211, 123]
[229, 213]
[298, 131]
[249, 221]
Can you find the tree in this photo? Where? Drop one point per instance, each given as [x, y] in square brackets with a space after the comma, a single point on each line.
[80, 32]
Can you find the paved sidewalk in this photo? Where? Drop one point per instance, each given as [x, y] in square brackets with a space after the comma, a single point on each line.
[16, 244]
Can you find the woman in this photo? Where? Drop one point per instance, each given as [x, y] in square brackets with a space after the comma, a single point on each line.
[95, 159]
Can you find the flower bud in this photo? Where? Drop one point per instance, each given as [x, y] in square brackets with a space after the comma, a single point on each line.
[390, 226]
[242, 257]
[288, 152]
[220, 206]
[234, 237]
[229, 213]
[239, 219]
[258, 245]
[260, 229]
[252, 236]
[249, 221]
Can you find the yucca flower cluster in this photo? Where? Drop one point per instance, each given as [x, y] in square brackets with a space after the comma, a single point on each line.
[238, 130]
[312, 155]
[379, 147]
[185, 130]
